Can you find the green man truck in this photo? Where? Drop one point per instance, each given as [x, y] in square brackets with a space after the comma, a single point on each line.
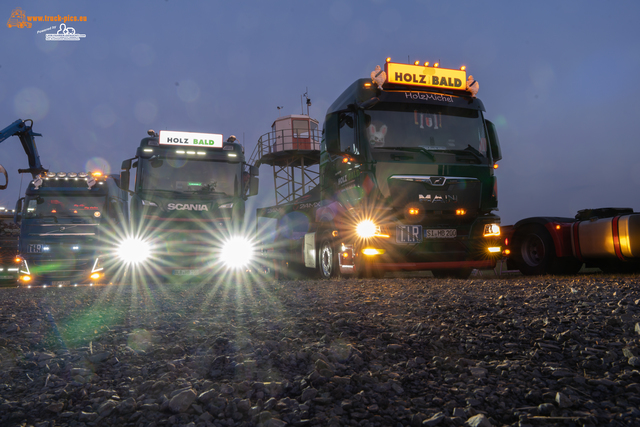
[188, 205]
[70, 226]
[9, 259]
[407, 181]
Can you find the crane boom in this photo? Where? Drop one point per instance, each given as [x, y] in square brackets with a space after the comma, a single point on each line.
[24, 131]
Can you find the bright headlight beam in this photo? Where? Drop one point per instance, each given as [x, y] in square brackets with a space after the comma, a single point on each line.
[366, 229]
[237, 252]
[134, 250]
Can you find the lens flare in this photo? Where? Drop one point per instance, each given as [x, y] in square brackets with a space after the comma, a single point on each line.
[366, 229]
[237, 252]
[134, 250]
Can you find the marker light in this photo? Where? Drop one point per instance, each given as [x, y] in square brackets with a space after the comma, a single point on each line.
[366, 229]
[463, 68]
[416, 63]
[17, 260]
[389, 59]
[558, 226]
[61, 174]
[96, 214]
[491, 230]
[367, 85]
[461, 212]
[436, 65]
[426, 64]
[495, 166]
[134, 250]
[237, 252]
[414, 211]
[96, 173]
[72, 175]
[180, 151]
[506, 251]
[95, 276]
[25, 278]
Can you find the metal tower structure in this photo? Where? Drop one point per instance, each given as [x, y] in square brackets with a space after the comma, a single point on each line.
[292, 148]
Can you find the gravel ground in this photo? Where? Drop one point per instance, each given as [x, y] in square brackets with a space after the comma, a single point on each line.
[413, 351]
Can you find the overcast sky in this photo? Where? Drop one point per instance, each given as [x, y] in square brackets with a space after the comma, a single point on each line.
[559, 79]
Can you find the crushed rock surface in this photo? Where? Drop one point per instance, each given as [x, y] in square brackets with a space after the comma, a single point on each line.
[512, 351]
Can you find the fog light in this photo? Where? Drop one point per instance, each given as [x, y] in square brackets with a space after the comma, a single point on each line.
[372, 251]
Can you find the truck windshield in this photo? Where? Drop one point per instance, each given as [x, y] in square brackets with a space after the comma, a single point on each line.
[186, 176]
[65, 206]
[428, 127]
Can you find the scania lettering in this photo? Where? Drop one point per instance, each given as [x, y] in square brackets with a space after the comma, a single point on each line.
[188, 205]
[70, 226]
[407, 180]
[182, 207]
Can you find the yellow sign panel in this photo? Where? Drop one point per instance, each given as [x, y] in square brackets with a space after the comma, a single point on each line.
[419, 75]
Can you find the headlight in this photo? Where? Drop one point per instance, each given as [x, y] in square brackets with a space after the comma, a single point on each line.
[237, 252]
[366, 229]
[491, 230]
[134, 250]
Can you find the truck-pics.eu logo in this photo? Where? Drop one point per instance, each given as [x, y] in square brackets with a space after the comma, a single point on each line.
[19, 19]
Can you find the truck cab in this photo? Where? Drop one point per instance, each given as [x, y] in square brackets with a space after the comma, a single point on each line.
[70, 225]
[407, 179]
[188, 204]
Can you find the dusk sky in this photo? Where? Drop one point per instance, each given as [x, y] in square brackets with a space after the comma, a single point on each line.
[558, 78]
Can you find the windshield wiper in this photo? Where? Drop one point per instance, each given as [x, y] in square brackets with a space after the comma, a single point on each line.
[469, 150]
[412, 149]
[157, 190]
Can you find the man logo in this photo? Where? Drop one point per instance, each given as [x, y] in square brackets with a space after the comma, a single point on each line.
[437, 180]
[438, 198]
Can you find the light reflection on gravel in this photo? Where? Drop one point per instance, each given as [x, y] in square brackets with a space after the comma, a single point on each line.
[389, 352]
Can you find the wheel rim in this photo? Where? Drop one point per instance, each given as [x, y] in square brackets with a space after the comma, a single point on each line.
[326, 260]
[533, 250]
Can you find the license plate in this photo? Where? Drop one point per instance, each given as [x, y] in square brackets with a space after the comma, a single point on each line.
[186, 272]
[61, 282]
[6, 276]
[34, 249]
[440, 233]
[408, 234]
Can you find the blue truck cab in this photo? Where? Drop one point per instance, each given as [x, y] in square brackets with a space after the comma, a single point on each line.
[70, 226]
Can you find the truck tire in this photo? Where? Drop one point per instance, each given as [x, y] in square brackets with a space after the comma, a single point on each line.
[327, 258]
[533, 250]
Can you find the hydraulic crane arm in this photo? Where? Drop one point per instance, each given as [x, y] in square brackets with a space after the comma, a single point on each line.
[24, 131]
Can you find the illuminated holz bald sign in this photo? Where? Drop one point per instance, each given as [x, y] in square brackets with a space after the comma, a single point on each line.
[419, 75]
[190, 139]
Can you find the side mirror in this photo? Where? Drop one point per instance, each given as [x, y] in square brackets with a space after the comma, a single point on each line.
[254, 170]
[253, 185]
[124, 179]
[126, 164]
[6, 178]
[18, 212]
[331, 131]
[496, 153]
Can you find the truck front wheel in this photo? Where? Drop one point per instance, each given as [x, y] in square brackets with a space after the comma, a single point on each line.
[328, 258]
